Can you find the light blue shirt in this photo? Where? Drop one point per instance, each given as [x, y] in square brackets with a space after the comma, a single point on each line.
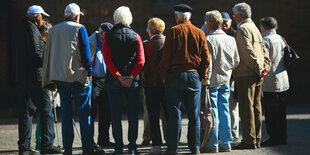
[238, 25]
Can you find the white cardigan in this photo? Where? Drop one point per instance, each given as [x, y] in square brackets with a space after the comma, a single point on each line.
[224, 57]
[277, 81]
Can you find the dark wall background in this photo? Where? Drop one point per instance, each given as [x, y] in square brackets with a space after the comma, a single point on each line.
[293, 18]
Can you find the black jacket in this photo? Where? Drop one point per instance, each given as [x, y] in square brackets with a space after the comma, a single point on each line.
[34, 48]
[123, 44]
[231, 31]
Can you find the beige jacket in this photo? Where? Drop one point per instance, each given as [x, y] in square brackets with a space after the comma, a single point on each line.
[254, 57]
[62, 58]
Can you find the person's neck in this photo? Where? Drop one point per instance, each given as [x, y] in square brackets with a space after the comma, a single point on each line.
[183, 21]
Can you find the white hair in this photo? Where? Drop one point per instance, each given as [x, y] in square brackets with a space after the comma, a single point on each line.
[69, 15]
[122, 15]
[183, 15]
[243, 9]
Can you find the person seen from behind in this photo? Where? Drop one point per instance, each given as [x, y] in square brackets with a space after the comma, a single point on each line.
[275, 85]
[224, 58]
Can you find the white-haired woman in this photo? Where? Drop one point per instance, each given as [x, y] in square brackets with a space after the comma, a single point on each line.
[124, 57]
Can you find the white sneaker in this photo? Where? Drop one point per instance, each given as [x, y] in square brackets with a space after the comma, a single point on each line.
[156, 150]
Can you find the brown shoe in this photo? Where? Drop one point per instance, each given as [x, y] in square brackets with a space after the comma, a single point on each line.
[208, 150]
[225, 149]
[68, 152]
[243, 146]
[195, 152]
[170, 153]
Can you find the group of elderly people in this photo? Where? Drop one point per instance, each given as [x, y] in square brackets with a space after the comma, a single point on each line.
[174, 69]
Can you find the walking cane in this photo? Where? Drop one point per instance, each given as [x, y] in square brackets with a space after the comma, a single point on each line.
[73, 122]
[55, 117]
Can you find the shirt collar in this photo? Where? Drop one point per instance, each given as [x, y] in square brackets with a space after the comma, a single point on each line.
[269, 32]
[215, 32]
[246, 20]
[156, 35]
[70, 19]
[238, 25]
[185, 22]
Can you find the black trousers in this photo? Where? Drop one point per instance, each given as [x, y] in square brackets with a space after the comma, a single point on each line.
[155, 96]
[275, 115]
[35, 99]
[100, 104]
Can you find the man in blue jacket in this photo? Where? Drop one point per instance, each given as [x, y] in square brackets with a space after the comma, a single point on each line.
[67, 65]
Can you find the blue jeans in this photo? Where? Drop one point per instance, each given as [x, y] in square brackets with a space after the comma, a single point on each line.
[82, 96]
[219, 96]
[183, 87]
[37, 99]
[115, 90]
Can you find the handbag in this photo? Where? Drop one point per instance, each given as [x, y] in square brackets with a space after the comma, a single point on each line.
[206, 117]
[290, 56]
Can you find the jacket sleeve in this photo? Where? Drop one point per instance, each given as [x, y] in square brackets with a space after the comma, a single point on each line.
[236, 56]
[244, 43]
[34, 47]
[205, 59]
[92, 45]
[168, 51]
[207, 80]
[140, 58]
[106, 51]
[267, 60]
[46, 81]
[85, 50]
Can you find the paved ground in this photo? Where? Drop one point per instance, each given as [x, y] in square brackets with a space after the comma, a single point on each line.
[298, 136]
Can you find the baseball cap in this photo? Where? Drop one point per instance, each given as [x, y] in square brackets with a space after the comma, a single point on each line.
[37, 9]
[225, 16]
[73, 8]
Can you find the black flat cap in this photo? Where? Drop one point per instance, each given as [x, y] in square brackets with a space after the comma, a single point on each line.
[106, 27]
[182, 8]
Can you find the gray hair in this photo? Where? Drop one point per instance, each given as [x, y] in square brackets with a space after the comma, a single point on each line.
[183, 15]
[214, 18]
[70, 15]
[33, 15]
[122, 15]
[268, 23]
[243, 9]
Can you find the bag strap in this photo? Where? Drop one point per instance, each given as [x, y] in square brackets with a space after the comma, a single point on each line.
[208, 98]
[284, 40]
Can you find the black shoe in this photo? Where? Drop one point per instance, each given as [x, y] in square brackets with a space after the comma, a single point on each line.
[51, 150]
[243, 146]
[29, 151]
[95, 151]
[146, 142]
[106, 144]
[271, 142]
[67, 152]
